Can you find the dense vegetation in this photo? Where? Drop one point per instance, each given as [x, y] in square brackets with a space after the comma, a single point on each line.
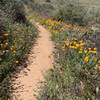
[16, 36]
[81, 12]
[76, 72]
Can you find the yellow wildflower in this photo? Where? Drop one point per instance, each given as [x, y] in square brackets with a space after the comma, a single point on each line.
[85, 51]
[65, 45]
[86, 59]
[89, 48]
[98, 61]
[77, 45]
[98, 67]
[80, 51]
[72, 47]
[93, 50]
[82, 44]
[74, 42]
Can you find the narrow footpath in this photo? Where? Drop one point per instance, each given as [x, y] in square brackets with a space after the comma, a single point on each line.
[40, 61]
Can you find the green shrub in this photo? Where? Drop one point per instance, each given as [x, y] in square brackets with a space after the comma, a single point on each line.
[43, 8]
[15, 10]
[72, 13]
[17, 35]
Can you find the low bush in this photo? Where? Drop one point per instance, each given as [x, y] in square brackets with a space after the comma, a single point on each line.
[17, 35]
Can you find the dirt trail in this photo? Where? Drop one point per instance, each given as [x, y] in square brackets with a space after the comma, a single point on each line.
[40, 61]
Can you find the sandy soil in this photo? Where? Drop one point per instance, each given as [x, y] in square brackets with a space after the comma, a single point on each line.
[40, 61]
